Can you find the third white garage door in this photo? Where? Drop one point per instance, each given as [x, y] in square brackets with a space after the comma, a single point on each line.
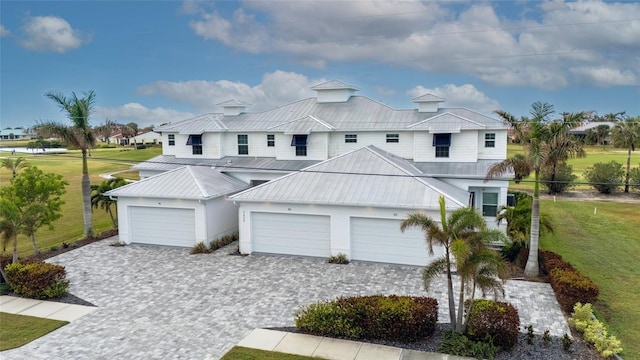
[292, 234]
[162, 226]
[381, 240]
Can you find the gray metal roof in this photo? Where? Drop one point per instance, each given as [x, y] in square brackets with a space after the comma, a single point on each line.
[591, 125]
[234, 103]
[187, 182]
[304, 125]
[226, 164]
[427, 98]
[456, 169]
[364, 177]
[447, 122]
[357, 114]
[334, 85]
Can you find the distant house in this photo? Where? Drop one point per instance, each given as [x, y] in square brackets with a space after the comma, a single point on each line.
[334, 173]
[16, 134]
[147, 137]
[582, 130]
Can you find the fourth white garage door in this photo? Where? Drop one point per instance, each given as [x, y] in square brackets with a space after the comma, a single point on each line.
[381, 240]
[162, 226]
[292, 234]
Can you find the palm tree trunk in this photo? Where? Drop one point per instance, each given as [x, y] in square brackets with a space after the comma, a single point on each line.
[532, 268]
[626, 180]
[452, 305]
[15, 248]
[460, 306]
[113, 220]
[33, 242]
[86, 197]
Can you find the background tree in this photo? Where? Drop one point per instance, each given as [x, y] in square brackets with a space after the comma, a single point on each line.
[38, 197]
[130, 130]
[562, 146]
[602, 131]
[605, 177]
[80, 135]
[99, 200]
[626, 134]
[107, 129]
[14, 165]
[10, 217]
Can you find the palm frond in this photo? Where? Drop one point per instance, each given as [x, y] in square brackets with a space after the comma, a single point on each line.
[432, 271]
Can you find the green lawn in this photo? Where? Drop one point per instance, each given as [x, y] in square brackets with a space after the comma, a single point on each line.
[604, 246]
[69, 228]
[243, 353]
[17, 330]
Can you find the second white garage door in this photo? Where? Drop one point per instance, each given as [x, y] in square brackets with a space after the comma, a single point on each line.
[162, 226]
[292, 234]
[381, 240]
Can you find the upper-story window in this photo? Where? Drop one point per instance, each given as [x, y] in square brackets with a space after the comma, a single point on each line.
[490, 140]
[243, 144]
[351, 138]
[442, 142]
[271, 140]
[300, 142]
[489, 204]
[196, 144]
[172, 139]
[393, 138]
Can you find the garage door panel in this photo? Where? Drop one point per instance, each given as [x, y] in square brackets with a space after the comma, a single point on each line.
[292, 234]
[381, 240]
[162, 226]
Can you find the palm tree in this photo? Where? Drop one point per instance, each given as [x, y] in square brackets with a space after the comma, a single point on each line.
[14, 165]
[11, 220]
[107, 129]
[80, 135]
[534, 134]
[130, 130]
[451, 231]
[99, 200]
[626, 134]
[562, 145]
[601, 132]
[518, 219]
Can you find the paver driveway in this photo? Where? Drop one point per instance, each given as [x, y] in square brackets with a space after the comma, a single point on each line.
[160, 302]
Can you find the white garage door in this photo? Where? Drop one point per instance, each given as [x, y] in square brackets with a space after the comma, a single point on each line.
[291, 234]
[162, 226]
[381, 240]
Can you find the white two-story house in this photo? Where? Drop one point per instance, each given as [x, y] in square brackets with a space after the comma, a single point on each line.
[335, 173]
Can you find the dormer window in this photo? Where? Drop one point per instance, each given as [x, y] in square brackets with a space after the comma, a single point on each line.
[196, 144]
[300, 142]
[172, 139]
[442, 142]
[351, 138]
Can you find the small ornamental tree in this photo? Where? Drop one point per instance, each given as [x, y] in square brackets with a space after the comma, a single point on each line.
[605, 177]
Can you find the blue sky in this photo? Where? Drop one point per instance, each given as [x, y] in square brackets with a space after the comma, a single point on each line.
[152, 62]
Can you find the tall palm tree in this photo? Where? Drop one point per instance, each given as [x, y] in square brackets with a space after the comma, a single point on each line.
[562, 145]
[107, 129]
[14, 165]
[99, 200]
[626, 134]
[130, 130]
[78, 134]
[534, 135]
[459, 225]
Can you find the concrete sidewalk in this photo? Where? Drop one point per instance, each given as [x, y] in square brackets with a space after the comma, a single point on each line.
[43, 309]
[332, 349]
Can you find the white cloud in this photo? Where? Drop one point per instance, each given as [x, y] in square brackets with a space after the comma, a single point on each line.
[4, 31]
[51, 33]
[275, 89]
[141, 115]
[465, 95]
[536, 47]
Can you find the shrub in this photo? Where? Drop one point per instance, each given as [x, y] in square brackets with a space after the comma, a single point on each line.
[605, 177]
[4, 288]
[544, 258]
[571, 287]
[563, 180]
[457, 344]
[223, 241]
[199, 248]
[634, 178]
[391, 318]
[38, 280]
[594, 331]
[338, 259]
[511, 251]
[494, 319]
[566, 342]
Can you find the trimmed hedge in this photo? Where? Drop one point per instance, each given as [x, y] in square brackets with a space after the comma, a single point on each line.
[496, 320]
[392, 318]
[37, 280]
[570, 286]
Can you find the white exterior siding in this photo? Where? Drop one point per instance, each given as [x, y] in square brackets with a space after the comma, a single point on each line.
[403, 148]
[166, 149]
[464, 147]
[317, 147]
[340, 220]
[221, 218]
[497, 152]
